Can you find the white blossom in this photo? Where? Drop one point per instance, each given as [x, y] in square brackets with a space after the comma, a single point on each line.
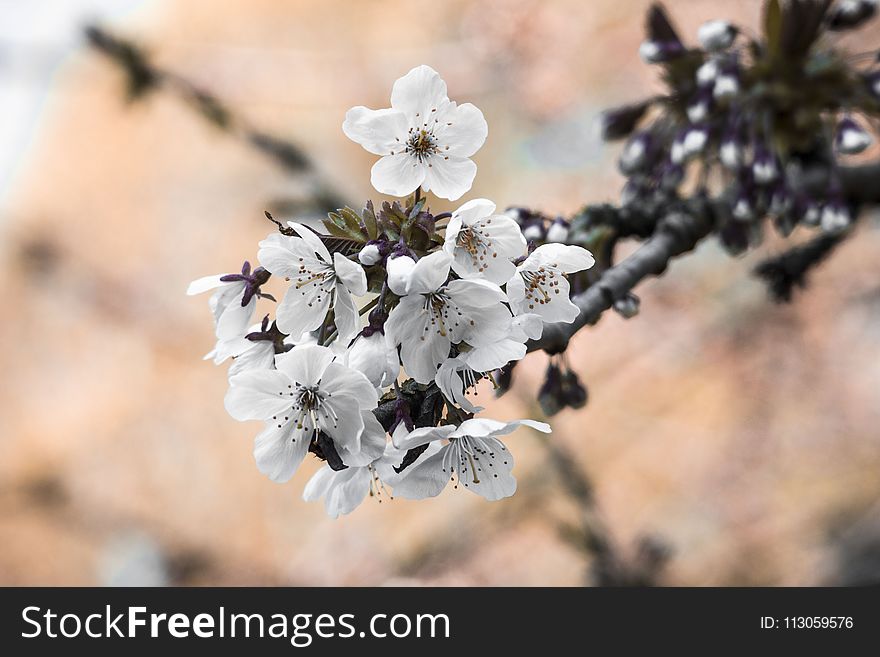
[473, 456]
[539, 285]
[374, 358]
[456, 376]
[716, 35]
[424, 139]
[435, 314]
[232, 304]
[369, 255]
[483, 243]
[318, 280]
[306, 393]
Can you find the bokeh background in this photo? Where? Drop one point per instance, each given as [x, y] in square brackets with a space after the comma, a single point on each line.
[738, 438]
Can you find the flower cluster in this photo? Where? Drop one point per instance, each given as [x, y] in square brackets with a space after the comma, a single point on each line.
[753, 114]
[391, 317]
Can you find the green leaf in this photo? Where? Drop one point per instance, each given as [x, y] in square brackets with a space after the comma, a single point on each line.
[369, 217]
[335, 230]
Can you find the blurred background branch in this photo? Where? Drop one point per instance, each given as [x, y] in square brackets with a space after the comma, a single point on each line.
[143, 77]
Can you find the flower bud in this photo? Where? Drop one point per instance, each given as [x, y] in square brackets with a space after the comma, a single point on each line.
[851, 14]
[533, 230]
[635, 153]
[731, 152]
[764, 166]
[558, 231]
[550, 394]
[743, 209]
[707, 72]
[658, 52]
[851, 138]
[369, 255]
[574, 393]
[726, 86]
[698, 109]
[628, 306]
[716, 35]
[695, 141]
[872, 80]
[399, 270]
[835, 217]
[811, 213]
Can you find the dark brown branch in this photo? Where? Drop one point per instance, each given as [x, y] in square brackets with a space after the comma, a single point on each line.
[677, 233]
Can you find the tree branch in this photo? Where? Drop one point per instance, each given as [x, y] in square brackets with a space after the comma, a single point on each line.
[677, 233]
[143, 77]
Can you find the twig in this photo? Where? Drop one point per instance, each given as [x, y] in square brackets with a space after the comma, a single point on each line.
[143, 77]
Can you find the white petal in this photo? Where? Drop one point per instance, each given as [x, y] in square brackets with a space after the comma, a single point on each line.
[452, 386]
[346, 317]
[467, 132]
[491, 475]
[495, 355]
[423, 479]
[526, 327]
[399, 270]
[490, 324]
[235, 318]
[558, 307]
[278, 451]
[473, 211]
[305, 364]
[229, 348]
[311, 238]
[421, 436]
[283, 255]
[418, 92]
[422, 358]
[258, 395]
[429, 273]
[378, 131]
[338, 379]
[567, 258]
[472, 293]
[302, 310]
[449, 178]
[373, 441]
[340, 418]
[342, 491]
[351, 274]
[483, 427]
[516, 294]
[260, 356]
[397, 175]
[204, 284]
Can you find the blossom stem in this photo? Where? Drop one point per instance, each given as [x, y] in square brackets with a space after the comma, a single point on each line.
[372, 303]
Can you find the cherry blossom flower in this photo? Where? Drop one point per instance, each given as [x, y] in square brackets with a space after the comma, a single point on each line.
[307, 393]
[456, 376]
[425, 139]
[319, 282]
[370, 474]
[483, 243]
[371, 355]
[435, 314]
[539, 285]
[234, 302]
[473, 456]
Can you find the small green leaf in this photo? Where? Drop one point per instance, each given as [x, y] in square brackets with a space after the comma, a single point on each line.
[369, 217]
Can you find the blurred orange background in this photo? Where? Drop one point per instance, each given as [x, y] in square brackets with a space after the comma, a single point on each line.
[741, 435]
